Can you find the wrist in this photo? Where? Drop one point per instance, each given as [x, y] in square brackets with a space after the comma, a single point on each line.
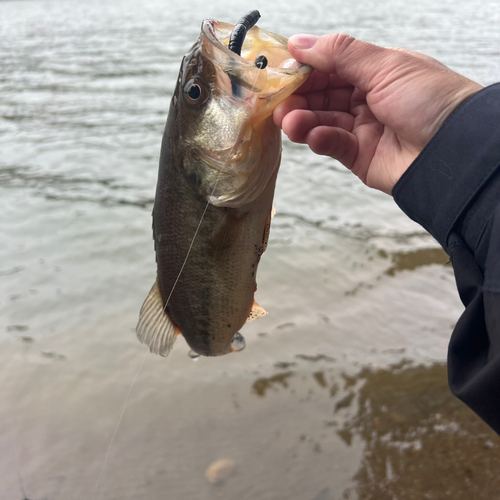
[448, 183]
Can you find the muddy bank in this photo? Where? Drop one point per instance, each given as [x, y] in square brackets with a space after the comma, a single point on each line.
[420, 441]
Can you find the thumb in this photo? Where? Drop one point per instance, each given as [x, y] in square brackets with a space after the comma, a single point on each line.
[352, 60]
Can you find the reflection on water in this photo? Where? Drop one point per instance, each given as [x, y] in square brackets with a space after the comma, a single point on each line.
[53, 186]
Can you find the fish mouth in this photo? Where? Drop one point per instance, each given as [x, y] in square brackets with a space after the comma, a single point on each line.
[243, 95]
[261, 89]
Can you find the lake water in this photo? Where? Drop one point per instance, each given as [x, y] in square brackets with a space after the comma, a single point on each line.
[340, 392]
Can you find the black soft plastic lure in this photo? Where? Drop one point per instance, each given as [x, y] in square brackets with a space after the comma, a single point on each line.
[240, 30]
[236, 43]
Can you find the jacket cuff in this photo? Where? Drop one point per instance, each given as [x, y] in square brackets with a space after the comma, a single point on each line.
[454, 183]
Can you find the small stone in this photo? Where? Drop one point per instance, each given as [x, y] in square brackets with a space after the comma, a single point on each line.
[219, 471]
[398, 418]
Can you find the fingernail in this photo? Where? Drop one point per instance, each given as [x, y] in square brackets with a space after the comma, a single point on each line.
[303, 42]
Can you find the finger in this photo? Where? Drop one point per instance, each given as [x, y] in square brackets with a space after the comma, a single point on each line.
[334, 142]
[287, 106]
[297, 124]
[330, 99]
[327, 100]
[350, 59]
[320, 81]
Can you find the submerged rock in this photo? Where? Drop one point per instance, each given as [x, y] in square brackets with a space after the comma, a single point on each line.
[219, 471]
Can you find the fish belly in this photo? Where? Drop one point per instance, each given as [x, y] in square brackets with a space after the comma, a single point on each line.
[210, 300]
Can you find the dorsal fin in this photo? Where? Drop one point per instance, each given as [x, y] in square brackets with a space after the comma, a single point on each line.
[256, 312]
[155, 328]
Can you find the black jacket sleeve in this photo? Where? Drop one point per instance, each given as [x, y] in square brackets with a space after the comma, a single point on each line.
[453, 190]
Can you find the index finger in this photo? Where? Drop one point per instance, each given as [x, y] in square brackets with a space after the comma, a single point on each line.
[330, 99]
[320, 81]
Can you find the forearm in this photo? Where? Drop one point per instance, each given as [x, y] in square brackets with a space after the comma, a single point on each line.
[453, 190]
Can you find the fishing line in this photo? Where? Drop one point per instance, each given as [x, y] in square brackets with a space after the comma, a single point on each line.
[122, 411]
[22, 486]
[118, 422]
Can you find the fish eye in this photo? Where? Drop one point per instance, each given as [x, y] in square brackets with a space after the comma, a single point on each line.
[194, 92]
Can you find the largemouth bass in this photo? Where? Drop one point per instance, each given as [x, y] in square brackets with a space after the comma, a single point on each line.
[219, 160]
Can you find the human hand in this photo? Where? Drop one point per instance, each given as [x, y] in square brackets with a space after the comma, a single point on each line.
[373, 109]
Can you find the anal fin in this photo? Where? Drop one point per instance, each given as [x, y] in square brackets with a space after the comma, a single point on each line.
[155, 328]
[256, 312]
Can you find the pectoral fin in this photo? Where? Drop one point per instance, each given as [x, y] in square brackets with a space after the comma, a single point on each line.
[226, 235]
[155, 328]
[256, 312]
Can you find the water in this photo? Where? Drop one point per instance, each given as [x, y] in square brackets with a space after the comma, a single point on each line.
[349, 282]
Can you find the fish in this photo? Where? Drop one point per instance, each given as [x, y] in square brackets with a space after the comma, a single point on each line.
[219, 160]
